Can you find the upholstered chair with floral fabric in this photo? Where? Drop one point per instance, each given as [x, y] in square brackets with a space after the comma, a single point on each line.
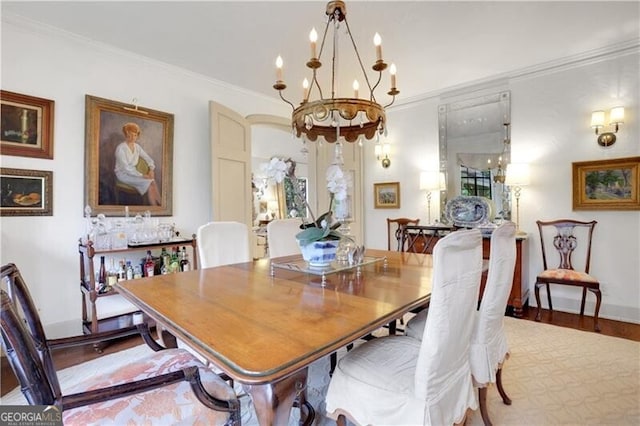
[168, 387]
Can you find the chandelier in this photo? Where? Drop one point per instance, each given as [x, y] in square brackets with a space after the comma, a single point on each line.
[333, 117]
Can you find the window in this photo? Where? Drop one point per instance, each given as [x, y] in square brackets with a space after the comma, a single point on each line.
[475, 182]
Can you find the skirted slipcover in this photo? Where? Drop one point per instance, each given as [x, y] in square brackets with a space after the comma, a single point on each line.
[399, 380]
[223, 243]
[281, 237]
[488, 342]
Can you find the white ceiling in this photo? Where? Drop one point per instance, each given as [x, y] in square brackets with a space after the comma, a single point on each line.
[435, 45]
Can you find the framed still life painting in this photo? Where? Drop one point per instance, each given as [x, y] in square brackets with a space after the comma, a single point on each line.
[25, 192]
[607, 184]
[26, 127]
[128, 158]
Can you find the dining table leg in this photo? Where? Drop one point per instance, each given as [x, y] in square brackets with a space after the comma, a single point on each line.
[273, 401]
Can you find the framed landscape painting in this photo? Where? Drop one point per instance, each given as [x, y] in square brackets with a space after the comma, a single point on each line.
[128, 158]
[26, 127]
[607, 184]
[386, 195]
[25, 192]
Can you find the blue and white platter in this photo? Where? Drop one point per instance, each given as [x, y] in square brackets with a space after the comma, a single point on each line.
[468, 211]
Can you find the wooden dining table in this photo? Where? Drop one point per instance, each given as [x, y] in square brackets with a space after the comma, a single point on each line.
[263, 325]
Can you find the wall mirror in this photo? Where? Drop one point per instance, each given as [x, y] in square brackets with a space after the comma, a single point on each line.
[275, 201]
[474, 149]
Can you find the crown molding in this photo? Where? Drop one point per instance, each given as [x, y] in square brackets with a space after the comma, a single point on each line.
[501, 81]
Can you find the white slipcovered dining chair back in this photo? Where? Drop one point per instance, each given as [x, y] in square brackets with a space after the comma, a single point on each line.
[400, 380]
[281, 237]
[443, 373]
[223, 243]
[489, 343]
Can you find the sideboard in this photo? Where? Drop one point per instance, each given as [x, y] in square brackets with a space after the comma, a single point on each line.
[422, 239]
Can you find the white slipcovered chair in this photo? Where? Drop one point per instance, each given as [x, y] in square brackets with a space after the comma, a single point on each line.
[223, 243]
[489, 347]
[281, 237]
[399, 380]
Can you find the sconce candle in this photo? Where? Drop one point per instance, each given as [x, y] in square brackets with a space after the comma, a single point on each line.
[616, 117]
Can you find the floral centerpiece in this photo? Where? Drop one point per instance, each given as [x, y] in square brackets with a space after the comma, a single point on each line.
[323, 228]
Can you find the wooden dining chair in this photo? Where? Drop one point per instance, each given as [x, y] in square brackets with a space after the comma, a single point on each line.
[172, 381]
[402, 380]
[394, 231]
[568, 237]
[223, 243]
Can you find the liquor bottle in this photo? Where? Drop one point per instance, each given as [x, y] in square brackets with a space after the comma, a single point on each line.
[184, 261]
[149, 265]
[122, 272]
[165, 261]
[175, 262]
[112, 274]
[102, 276]
[129, 270]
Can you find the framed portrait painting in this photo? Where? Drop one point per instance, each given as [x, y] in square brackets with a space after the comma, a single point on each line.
[386, 195]
[607, 184]
[25, 192]
[128, 158]
[26, 127]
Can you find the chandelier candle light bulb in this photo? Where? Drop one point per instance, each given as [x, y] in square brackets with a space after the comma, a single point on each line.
[313, 38]
[356, 86]
[279, 68]
[377, 41]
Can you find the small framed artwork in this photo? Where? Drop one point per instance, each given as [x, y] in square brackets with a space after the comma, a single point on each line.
[25, 192]
[607, 184]
[26, 127]
[128, 158]
[386, 195]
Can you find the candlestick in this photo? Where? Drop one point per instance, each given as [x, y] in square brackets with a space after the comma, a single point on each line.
[356, 86]
[377, 41]
[392, 71]
[279, 68]
[313, 37]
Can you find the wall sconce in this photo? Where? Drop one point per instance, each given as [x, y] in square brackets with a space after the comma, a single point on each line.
[382, 153]
[518, 175]
[429, 182]
[616, 117]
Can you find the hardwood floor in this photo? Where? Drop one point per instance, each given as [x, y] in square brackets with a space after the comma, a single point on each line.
[68, 357]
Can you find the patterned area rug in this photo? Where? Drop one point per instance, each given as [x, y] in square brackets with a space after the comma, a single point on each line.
[555, 376]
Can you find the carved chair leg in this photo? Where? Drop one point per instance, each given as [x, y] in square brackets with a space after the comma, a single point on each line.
[333, 361]
[598, 294]
[482, 399]
[503, 394]
[584, 298]
[537, 293]
[392, 328]
[549, 297]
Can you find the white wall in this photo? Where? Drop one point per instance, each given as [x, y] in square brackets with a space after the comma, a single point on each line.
[52, 65]
[550, 116]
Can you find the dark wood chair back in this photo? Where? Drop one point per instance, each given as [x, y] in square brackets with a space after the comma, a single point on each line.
[394, 230]
[24, 357]
[567, 243]
[561, 236]
[20, 296]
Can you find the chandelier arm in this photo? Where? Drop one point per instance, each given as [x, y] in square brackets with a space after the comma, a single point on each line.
[355, 48]
[373, 97]
[283, 98]
[314, 80]
[393, 99]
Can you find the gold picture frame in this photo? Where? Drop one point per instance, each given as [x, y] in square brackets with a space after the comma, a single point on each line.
[386, 195]
[607, 184]
[104, 132]
[26, 128]
[26, 192]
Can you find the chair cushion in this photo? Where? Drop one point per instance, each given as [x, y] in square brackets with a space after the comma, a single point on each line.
[173, 404]
[566, 275]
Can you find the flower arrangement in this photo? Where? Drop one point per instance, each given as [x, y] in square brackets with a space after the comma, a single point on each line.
[323, 227]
